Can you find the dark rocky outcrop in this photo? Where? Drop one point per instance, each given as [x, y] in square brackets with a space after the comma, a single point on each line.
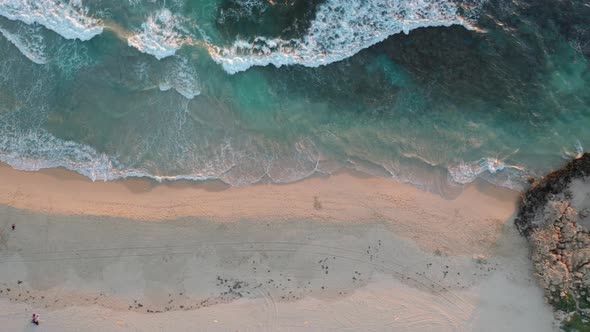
[540, 193]
[555, 217]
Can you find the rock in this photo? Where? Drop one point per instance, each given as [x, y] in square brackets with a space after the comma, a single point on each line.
[547, 217]
[568, 231]
[539, 194]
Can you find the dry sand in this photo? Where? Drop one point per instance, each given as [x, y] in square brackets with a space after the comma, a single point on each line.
[343, 253]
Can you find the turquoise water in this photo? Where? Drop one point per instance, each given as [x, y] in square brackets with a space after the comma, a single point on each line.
[434, 93]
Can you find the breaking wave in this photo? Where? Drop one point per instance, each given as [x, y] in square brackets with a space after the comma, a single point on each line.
[511, 176]
[161, 35]
[341, 29]
[236, 161]
[38, 149]
[69, 19]
[29, 42]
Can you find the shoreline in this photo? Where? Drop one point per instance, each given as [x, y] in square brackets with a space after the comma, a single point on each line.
[344, 197]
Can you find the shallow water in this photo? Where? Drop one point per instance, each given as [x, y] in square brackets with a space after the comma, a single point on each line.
[435, 93]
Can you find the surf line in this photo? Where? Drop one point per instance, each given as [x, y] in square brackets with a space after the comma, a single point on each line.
[124, 35]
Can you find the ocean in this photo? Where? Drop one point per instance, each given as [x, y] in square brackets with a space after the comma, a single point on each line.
[436, 93]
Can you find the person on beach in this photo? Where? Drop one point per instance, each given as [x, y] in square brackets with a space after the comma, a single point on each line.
[35, 319]
[13, 226]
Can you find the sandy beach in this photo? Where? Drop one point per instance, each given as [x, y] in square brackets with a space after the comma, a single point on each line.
[340, 253]
[468, 224]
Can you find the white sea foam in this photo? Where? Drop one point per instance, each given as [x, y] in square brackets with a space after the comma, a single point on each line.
[568, 154]
[37, 149]
[69, 19]
[160, 35]
[467, 172]
[340, 29]
[183, 78]
[34, 150]
[29, 42]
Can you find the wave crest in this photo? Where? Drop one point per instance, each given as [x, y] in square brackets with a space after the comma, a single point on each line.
[69, 19]
[161, 35]
[340, 30]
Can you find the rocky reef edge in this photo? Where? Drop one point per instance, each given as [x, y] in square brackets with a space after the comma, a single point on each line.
[554, 215]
